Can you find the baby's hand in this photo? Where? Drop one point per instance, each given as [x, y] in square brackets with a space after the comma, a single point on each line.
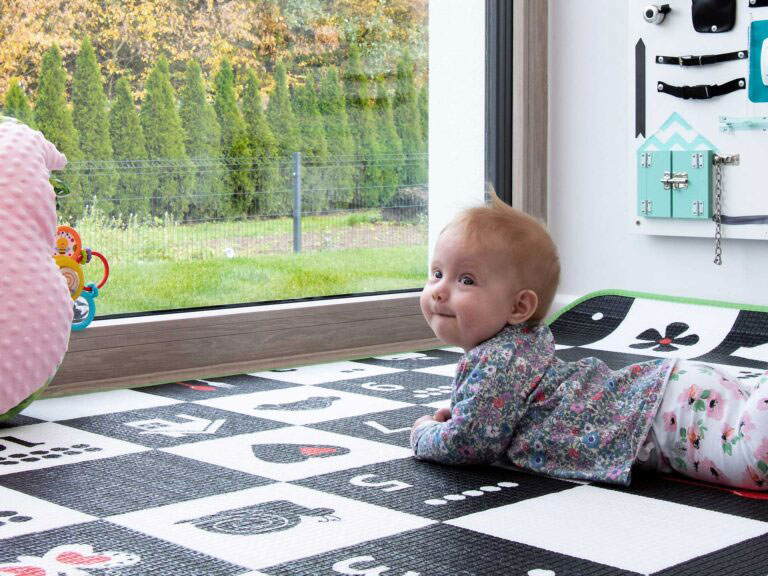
[442, 415]
[425, 418]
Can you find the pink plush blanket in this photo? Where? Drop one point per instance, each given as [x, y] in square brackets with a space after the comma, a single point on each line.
[35, 305]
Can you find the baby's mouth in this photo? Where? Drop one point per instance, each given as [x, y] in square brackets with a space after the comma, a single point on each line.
[443, 313]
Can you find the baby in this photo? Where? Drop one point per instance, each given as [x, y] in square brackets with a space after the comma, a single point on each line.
[493, 277]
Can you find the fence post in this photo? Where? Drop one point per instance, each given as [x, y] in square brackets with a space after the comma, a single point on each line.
[297, 202]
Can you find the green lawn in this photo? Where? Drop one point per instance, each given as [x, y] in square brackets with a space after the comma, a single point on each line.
[162, 285]
[172, 266]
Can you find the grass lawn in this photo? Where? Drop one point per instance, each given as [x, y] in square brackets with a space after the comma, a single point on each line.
[136, 286]
[173, 266]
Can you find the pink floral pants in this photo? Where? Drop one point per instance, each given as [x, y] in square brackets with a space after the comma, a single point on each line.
[711, 426]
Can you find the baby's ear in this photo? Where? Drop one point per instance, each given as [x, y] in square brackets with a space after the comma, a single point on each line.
[524, 306]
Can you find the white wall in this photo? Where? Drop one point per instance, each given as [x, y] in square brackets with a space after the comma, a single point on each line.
[456, 109]
[588, 175]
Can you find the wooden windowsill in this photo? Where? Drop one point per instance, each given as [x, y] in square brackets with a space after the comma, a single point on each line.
[159, 349]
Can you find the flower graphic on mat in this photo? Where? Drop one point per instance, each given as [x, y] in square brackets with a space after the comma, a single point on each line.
[664, 343]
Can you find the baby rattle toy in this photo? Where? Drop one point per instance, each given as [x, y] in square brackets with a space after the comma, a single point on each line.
[70, 257]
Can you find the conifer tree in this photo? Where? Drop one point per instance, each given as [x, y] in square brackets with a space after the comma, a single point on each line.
[234, 140]
[263, 146]
[90, 116]
[340, 174]
[314, 147]
[54, 119]
[364, 129]
[165, 144]
[202, 141]
[283, 123]
[408, 122]
[424, 115]
[281, 118]
[17, 105]
[391, 146]
[134, 184]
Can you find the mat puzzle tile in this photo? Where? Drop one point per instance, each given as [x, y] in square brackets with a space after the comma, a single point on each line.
[307, 471]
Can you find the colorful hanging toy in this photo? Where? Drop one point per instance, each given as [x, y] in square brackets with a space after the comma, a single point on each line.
[70, 257]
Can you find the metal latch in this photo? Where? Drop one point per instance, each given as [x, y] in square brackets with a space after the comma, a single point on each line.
[675, 180]
[729, 159]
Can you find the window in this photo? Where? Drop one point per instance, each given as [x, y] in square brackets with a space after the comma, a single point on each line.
[233, 152]
[137, 350]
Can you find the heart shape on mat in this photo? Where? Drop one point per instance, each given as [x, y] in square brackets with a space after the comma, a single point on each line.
[77, 559]
[22, 570]
[292, 453]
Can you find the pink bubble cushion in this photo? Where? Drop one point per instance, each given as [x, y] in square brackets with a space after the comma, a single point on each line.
[35, 304]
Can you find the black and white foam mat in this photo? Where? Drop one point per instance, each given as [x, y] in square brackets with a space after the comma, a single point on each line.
[307, 471]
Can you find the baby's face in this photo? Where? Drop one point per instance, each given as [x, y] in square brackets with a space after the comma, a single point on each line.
[469, 295]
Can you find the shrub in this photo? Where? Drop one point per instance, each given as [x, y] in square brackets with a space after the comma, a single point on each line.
[408, 205]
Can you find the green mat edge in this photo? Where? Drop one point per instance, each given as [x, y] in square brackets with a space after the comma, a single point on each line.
[652, 296]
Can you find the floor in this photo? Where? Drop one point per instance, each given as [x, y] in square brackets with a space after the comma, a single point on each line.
[307, 471]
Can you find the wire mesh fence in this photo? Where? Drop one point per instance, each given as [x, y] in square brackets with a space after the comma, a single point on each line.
[200, 208]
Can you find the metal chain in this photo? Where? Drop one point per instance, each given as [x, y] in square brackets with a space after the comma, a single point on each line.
[718, 213]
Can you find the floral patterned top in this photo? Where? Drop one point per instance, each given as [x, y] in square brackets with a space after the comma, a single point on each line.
[512, 398]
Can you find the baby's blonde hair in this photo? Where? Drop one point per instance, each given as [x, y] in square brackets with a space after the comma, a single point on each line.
[522, 239]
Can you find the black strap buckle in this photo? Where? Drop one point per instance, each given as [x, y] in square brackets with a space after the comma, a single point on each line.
[702, 91]
[686, 60]
[697, 92]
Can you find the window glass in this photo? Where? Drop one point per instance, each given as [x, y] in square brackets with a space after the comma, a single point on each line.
[225, 152]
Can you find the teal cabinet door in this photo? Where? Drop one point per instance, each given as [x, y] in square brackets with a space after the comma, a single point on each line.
[692, 200]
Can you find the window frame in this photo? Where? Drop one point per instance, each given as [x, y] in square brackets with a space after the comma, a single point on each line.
[147, 350]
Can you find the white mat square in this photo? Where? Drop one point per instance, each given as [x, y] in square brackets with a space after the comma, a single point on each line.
[237, 452]
[348, 522]
[710, 324]
[30, 447]
[69, 407]
[331, 372]
[289, 404]
[23, 514]
[444, 370]
[622, 530]
[405, 356]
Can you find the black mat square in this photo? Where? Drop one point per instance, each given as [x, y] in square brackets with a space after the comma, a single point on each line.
[129, 483]
[191, 390]
[391, 427]
[18, 420]
[413, 387]
[434, 491]
[746, 558]
[591, 320]
[749, 330]
[718, 499]
[614, 360]
[164, 426]
[442, 550]
[103, 548]
[430, 358]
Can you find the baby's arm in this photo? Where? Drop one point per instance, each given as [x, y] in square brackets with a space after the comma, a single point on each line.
[478, 430]
[440, 415]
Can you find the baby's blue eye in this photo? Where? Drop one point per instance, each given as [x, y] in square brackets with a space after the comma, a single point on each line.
[437, 274]
[466, 280]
